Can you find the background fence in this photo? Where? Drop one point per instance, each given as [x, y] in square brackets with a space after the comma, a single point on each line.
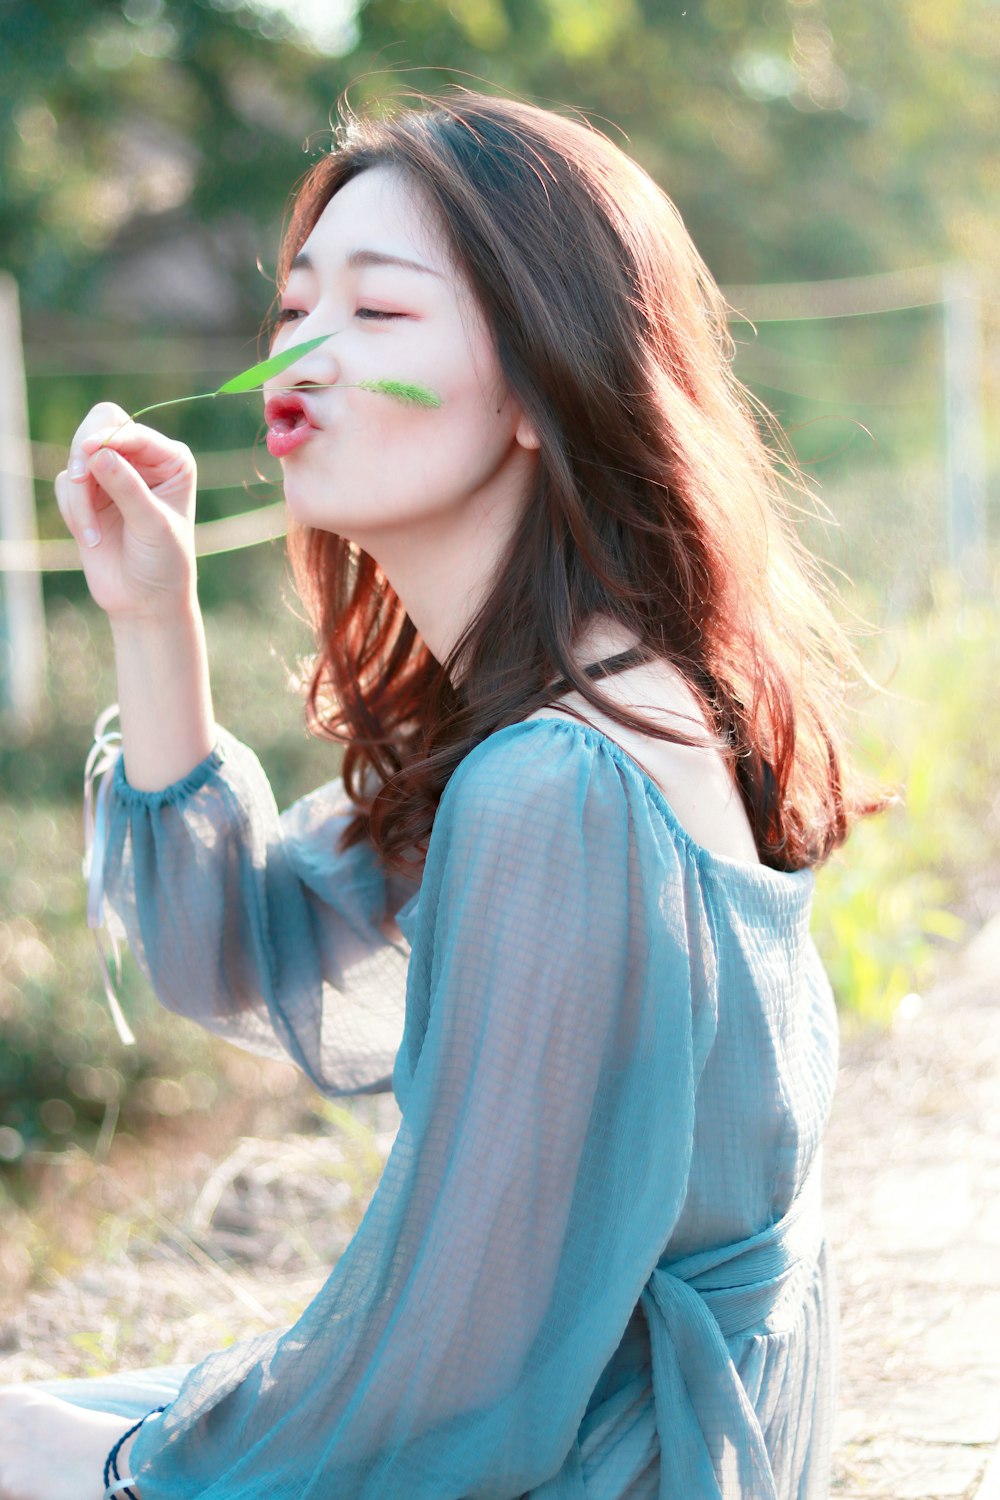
[935, 489]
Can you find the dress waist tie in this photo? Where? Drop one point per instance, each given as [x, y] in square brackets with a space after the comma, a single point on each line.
[712, 1445]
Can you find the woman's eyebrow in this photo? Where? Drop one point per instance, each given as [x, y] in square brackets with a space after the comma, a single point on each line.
[358, 258]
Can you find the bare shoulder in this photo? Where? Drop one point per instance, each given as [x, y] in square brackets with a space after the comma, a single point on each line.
[696, 781]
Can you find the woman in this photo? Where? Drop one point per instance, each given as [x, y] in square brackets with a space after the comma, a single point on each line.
[589, 690]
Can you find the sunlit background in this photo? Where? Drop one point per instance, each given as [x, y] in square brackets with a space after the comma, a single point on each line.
[837, 166]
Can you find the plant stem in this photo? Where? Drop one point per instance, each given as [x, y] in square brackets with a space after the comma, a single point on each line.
[211, 395]
[177, 401]
[205, 396]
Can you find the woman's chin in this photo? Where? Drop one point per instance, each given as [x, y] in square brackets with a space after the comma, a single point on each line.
[303, 506]
[307, 510]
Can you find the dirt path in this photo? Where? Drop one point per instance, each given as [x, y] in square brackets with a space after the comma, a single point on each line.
[912, 1179]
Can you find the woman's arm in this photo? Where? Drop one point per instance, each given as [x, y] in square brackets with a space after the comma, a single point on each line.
[128, 496]
[164, 698]
[251, 924]
[559, 1010]
[53, 1450]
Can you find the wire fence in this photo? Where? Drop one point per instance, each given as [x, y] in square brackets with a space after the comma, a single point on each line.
[852, 297]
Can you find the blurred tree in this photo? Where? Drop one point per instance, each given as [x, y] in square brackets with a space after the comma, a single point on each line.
[148, 146]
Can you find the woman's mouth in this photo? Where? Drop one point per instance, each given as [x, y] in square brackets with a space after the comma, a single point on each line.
[288, 424]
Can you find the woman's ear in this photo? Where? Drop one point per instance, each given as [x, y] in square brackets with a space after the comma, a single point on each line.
[526, 434]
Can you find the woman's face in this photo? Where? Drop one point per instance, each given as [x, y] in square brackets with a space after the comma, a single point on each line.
[364, 465]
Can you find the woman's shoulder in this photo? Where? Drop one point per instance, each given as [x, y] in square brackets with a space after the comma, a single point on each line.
[556, 785]
[568, 756]
[534, 781]
[698, 782]
[552, 764]
[517, 766]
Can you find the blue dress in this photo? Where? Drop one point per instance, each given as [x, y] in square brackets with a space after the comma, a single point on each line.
[595, 1264]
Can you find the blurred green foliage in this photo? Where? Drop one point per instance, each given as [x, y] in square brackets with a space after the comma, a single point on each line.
[907, 884]
[800, 138]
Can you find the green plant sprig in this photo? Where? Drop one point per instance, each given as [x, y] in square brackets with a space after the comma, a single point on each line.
[253, 378]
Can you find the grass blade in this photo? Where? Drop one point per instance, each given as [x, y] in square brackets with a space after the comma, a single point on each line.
[249, 380]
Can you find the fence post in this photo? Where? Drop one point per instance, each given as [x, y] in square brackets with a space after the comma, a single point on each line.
[22, 617]
[965, 460]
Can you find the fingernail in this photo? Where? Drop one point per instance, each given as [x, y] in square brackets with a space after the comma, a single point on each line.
[91, 536]
[77, 468]
[104, 458]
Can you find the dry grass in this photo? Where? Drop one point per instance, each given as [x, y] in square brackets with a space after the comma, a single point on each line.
[199, 1235]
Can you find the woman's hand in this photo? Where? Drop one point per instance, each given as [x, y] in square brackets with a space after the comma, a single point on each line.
[130, 506]
[50, 1450]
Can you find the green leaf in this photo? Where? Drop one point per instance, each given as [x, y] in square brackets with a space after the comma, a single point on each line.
[249, 380]
[403, 390]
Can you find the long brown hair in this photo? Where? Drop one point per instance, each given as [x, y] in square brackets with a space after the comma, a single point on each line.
[656, 501]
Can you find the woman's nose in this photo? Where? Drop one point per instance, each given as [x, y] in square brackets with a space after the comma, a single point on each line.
[316, 365]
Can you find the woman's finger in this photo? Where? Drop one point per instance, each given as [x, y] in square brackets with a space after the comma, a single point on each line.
[77, 510]
[140, 444]
[140, 509]
[102, 417]
[167, 467]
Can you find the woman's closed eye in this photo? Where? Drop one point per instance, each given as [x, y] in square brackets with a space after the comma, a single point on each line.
[367, 314]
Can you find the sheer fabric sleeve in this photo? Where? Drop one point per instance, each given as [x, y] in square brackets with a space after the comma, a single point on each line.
[559, 1009]
[253, 924]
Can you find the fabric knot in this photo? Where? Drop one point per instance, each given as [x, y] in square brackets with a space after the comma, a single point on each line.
[755, 1286]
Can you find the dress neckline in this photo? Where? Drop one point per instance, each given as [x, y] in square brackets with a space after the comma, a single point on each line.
[759, 875]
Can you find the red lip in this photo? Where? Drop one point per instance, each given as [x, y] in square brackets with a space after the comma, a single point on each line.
[290, 422]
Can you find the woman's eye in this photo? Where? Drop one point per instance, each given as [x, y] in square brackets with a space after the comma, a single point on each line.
[288, 314]
[369, 313]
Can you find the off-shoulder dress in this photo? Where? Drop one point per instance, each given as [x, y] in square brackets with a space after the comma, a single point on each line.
[595, 1264]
